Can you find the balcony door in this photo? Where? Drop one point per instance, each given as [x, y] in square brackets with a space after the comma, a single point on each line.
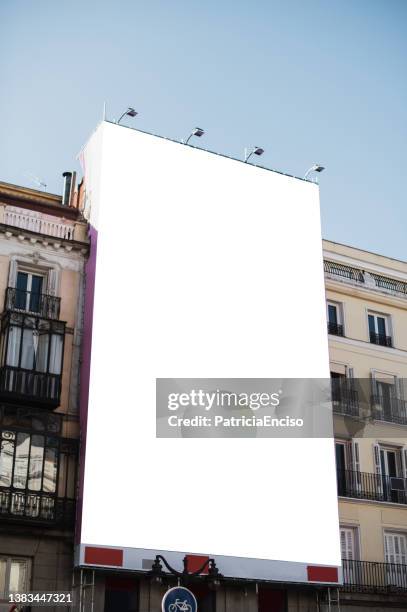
[390, 468]
[348, 554]
[386, 394]
[395, 550]
[28, 291]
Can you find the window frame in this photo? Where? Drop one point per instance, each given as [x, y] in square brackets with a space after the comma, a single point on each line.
[4, 595]
[340, 316]
[388, 324]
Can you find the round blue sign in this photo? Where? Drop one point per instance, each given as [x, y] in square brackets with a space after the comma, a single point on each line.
[179, 599]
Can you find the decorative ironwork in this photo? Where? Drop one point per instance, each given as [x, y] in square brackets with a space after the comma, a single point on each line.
[376, 487]
[371, 577]
[335, 329]
[33, 507]
[390, 409]
[345, 399]
[42, 305]
[157, 572]
[390, 284]
[38, 477]
[348, 272]
[18, 384]
[381, 339]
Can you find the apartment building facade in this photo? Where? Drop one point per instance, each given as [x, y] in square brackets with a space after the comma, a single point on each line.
[43, 246]
[367, 326]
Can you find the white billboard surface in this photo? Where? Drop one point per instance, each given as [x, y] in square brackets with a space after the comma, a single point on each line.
[207, 267]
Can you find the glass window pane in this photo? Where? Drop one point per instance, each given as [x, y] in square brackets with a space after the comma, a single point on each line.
[3, 567]
[42, 352]
[21, 461]
[55, 359]
[18, 575]
[332, 314]
[372, 328]
[36, 462]
[50, 470]
[6, 459]
[21, 290]
[35, 296]
[13, 347]
[381, 325]
[27, 353]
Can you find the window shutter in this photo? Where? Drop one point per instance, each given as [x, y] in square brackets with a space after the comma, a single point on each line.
[53, 279]
[377, 462]
[378, 467]
[347, 543]
[12, 277]
[355, 456]
[404, 462]
[350, 373]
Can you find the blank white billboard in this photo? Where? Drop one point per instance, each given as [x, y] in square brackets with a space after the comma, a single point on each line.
[207, 267]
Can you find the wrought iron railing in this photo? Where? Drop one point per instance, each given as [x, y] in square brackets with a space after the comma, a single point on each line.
[376, 487]
[37, 387]
[36, 507]
[381, 339]
[335, 329]
[344, 397]
[390, 409]
[42, 305]
[347, 272]
[371, 577]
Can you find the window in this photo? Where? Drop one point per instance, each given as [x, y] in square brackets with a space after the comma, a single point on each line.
[348, 543]
[395, 552]
[390, 469]
[37, 466]
[335, 318]
[14, 575]
[28, 291]
[32, 344]
[379, 329]
[395, 547]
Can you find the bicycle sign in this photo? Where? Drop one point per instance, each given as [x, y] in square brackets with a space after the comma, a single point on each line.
[179, 599]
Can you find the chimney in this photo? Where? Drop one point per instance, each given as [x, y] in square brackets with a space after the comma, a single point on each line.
[69, 186]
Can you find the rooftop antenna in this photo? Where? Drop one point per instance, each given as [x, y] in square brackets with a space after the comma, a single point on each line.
[37, 181]
[253, 151]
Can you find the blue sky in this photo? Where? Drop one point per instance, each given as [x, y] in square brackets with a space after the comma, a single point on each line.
[317, 81]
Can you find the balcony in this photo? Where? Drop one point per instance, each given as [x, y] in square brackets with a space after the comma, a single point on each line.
[344, 397]
[40, 223]
[380, 339]
[371, 577]
[21, 385]
[45, 306]
[335, 329]
[390, 409]
[375, 487]
[39, 508]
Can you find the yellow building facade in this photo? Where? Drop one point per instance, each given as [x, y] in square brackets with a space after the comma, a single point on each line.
[367, 325]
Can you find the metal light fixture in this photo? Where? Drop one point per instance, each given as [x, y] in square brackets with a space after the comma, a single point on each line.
[198, 132]
[130, 112]
[314, 168]
[253, 151]
[157, 573]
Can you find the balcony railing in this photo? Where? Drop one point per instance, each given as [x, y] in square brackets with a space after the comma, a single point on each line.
[376, 487]
[36, 508]
[45, 306]
[381, 339]
[344, 397]
[39, 388]
[335, 329]
[38, 222]
[391, 409]
[371, 577]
